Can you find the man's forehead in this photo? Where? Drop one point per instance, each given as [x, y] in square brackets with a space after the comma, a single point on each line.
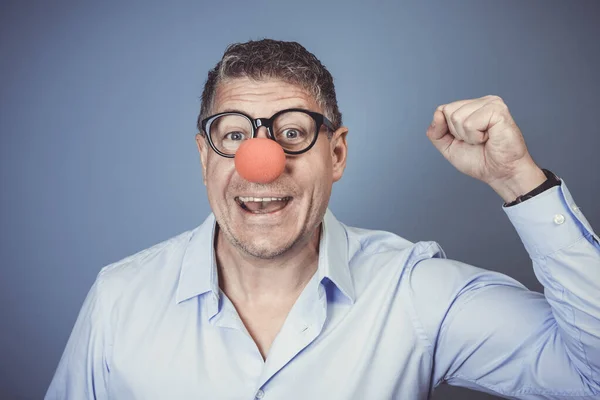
[261, 98]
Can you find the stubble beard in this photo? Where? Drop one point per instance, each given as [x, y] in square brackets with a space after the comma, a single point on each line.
[265, 252]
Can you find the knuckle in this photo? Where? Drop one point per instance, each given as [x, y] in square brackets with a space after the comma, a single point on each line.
[469, 125]
[502, 106]
[499, 100]
[455, 119]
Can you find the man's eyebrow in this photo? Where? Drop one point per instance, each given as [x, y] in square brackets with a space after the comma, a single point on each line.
[231, 110]
[301, 106]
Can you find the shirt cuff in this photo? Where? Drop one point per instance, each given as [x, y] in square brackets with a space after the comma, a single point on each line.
[550, 221]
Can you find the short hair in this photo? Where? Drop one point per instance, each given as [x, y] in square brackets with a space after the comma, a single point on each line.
[273, 59]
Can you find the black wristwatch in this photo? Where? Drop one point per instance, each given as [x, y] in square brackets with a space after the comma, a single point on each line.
[551, 181]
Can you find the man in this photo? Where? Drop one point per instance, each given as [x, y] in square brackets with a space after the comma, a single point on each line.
[272, 297]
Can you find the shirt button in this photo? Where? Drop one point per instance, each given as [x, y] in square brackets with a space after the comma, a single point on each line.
[575, 208]
[559, 219]
[260, 394]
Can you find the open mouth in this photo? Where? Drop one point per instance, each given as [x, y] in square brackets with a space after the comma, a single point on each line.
[262, 205]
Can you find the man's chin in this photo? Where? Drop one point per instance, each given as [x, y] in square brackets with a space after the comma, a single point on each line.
[265, 236]
[265, 250]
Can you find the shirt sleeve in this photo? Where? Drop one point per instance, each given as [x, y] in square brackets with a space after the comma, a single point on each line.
[82, 372]
[488, 332]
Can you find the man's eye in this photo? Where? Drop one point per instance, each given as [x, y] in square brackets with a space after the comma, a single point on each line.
[235, 136]
[291, 134]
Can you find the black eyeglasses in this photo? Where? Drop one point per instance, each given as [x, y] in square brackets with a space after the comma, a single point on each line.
[295, 129]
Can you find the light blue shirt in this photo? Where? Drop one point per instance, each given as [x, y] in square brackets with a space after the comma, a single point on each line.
[381, 318]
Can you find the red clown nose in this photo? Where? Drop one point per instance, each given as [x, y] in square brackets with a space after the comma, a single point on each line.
[259, 160]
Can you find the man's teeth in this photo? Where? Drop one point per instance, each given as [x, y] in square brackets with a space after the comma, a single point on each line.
[261, 199]
[263, 205]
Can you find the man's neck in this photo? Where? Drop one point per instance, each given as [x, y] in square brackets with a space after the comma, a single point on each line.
[251, 280]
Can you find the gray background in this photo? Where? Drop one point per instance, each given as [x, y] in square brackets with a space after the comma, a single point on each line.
[97, 119]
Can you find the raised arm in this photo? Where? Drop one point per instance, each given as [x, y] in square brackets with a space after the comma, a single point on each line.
[485, 330]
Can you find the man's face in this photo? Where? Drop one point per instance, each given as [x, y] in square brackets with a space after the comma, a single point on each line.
[307, 178]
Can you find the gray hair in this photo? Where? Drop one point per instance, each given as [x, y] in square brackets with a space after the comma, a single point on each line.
[273, 59]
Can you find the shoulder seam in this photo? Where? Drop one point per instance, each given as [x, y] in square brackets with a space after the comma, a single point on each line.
[142, 254]
[421, 333]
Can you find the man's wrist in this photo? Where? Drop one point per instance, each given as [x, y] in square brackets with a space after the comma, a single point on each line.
[519, 184]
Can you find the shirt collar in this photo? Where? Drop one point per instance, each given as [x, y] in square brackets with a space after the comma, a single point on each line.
[333, 256]
[198, 273]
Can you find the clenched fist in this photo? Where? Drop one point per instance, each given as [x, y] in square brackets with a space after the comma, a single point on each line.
[480, 138]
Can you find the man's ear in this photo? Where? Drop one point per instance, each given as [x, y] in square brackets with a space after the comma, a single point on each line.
[202, 144]
[339, 152]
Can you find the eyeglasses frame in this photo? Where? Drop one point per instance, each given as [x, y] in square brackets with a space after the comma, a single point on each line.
[256, 123]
